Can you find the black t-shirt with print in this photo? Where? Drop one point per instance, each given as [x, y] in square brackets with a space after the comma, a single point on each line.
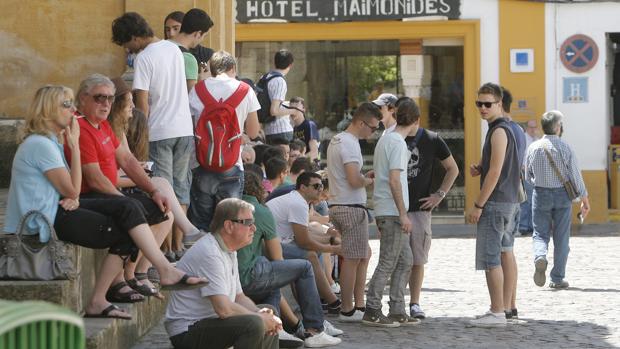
[421, 166]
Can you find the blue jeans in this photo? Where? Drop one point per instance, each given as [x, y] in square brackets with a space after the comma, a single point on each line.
[171, 159]
[395, 262]
[552, 210]
[495, 233]
[269, 276]
[209, 188]
[525, 221]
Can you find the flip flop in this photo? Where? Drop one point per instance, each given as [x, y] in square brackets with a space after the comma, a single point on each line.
[143, 289]
[106, 314]
[183, 285]
[115, 295]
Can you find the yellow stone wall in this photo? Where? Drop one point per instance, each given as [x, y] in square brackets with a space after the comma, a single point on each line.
[60, 42]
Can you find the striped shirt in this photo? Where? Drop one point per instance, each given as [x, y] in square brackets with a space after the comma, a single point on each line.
[277, 90]
[539, 170]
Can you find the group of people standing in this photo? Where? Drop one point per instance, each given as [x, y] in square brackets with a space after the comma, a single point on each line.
[271, 219]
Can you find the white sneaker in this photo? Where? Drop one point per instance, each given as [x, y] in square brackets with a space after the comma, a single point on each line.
[335, 288]
[356, 317]
[321, 340]
[416, 312]
[287, 340]
[330, 329]
[489, 320]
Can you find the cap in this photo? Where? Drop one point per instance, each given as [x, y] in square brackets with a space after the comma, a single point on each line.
[385, 99]
[121, 87]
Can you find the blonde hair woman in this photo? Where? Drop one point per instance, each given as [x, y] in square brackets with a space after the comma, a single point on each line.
[41, 180]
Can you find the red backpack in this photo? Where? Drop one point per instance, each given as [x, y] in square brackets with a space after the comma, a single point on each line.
[218, 136]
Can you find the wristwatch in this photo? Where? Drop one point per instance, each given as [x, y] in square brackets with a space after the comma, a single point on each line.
[441, 193]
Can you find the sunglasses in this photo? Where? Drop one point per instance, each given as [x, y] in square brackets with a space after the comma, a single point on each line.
[317, 186]
[487, 105]
[372, 128]
[247, 222]
[68, 104]
[101, 99]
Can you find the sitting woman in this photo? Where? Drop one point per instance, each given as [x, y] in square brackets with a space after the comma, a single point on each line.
[121, 113]
[41, 180]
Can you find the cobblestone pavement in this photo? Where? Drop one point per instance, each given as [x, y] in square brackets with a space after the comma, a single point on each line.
[584, 316]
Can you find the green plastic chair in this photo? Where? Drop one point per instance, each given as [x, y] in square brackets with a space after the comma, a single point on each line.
[34, 324]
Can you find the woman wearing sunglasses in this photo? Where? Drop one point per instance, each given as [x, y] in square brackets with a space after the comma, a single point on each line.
[42, 180]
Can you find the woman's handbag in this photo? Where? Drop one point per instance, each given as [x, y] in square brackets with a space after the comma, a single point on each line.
[23, 257]
[569, 186]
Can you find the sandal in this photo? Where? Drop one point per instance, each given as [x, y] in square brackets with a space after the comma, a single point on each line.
[183, 284]
[106, 313]
[115, 295]
[143, 289]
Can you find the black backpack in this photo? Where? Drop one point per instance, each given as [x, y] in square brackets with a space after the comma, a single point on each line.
[262, 94]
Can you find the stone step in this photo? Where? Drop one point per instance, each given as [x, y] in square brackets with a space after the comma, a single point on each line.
[121, 334]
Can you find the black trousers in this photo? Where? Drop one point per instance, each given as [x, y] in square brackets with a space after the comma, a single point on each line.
[242, 332]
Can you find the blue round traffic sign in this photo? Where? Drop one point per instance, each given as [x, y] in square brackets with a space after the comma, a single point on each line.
[579, 53]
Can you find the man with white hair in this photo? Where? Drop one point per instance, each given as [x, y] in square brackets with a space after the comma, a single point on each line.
[552, 207]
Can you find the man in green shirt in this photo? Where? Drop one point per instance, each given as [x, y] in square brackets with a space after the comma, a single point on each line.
[262, 277]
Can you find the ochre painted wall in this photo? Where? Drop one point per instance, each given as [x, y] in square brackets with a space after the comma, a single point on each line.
[61, 42]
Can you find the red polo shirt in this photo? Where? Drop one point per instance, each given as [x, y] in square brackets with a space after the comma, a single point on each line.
[97, 146]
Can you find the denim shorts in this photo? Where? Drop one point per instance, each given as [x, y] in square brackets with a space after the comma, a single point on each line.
[171, 160]
[496, 231]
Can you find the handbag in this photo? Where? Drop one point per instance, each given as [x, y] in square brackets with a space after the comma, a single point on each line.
[23, 257]
[521, 194]
[569, 186]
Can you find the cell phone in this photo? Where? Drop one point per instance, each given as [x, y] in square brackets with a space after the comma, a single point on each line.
[148, 165]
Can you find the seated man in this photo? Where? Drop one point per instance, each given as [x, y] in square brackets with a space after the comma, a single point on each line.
[101, 155]
[262, 278]
[219, 315]
[291, 213]
[299, 166]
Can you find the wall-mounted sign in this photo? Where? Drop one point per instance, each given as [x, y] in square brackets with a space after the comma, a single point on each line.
[575, 90]
[521, 60]
[579, 53]
[344, 10]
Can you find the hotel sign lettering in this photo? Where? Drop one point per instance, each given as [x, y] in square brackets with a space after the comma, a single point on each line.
[344, 10]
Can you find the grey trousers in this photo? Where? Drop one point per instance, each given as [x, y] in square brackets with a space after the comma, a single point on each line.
[242, 332]
[395, 262]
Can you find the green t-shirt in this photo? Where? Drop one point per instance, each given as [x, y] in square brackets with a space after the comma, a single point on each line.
[265, 229]
[191, 66]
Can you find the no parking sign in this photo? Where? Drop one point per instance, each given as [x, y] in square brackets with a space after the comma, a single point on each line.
[579, 53]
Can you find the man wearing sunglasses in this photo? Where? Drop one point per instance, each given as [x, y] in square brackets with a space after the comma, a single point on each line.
[499, 170]
[220, 315]
[347, 206]
[292, 213]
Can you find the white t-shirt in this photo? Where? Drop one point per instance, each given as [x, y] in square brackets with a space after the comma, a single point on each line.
[288, 209]
[343, 149]
[277, 90]
[222, 87]
[160, 70]
[391, 153]
[205, 259]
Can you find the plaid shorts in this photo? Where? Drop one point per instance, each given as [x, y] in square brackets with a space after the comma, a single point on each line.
[352, 222]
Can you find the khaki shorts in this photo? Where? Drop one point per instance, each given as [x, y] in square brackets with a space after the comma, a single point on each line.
[421, 235]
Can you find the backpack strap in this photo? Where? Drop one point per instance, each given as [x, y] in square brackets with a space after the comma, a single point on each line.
[203, 93]
[235, 99]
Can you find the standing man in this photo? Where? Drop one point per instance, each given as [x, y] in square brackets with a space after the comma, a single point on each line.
[497, 201]
[426, 147]
[208, 188]
[347, 209]
[391, 197]
[196, 23]
[276, 88]
[552, 208]
[387, 103]
[304, 129]
[219, 315]
[526, 226]
[160, 89]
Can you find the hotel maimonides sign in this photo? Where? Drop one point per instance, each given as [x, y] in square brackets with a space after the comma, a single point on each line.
[344, 10]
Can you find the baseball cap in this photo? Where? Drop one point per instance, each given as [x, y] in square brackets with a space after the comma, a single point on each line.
[385, 99]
